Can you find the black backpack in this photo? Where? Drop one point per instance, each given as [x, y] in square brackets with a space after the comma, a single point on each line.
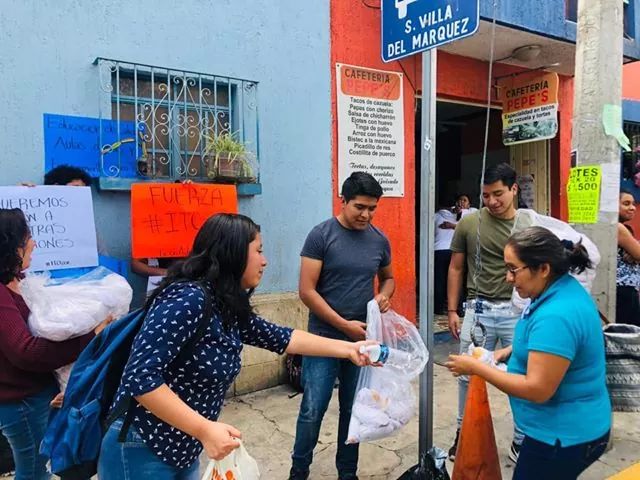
[293, 364]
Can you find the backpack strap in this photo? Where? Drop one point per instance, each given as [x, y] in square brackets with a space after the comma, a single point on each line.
[129, 405]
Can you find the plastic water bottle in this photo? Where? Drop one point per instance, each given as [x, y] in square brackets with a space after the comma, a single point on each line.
[387, 356]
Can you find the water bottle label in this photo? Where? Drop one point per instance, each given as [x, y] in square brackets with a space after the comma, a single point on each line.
[384, 353]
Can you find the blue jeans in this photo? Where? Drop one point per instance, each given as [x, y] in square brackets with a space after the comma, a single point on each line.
[133, 460]
[552, 462]
[318, 378]
[500, 324]
[24, 424]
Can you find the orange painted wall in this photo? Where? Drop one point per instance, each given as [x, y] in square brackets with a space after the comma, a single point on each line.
[631, 81]
[560, 174]
[355, 40]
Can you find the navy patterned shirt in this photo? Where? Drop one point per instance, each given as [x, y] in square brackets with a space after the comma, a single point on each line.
[202, 380]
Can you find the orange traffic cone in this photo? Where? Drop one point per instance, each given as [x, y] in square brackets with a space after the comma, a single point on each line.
[477, 454]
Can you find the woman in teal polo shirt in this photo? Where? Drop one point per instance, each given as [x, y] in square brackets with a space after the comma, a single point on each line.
[556, 372]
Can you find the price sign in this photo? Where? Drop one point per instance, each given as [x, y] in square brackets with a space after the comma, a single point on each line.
[583, 192]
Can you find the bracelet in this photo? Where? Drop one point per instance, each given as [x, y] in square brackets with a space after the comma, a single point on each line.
[449, 311]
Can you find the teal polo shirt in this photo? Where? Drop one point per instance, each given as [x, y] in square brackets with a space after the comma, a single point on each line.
[564, 321]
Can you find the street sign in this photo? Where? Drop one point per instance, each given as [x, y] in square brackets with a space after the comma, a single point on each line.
[412, 26]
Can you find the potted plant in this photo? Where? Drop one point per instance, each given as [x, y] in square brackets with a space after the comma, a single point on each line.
[229, 159]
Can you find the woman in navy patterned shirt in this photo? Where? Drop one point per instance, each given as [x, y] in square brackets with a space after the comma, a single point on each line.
[178, 403]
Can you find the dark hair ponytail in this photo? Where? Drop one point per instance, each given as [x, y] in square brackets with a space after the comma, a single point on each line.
[536, 246]
[219, 256]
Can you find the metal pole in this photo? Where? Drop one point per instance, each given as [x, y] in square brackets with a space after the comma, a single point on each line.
[598, 82]
[426, 239]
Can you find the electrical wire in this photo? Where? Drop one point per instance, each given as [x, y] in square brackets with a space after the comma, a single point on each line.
[478, 258]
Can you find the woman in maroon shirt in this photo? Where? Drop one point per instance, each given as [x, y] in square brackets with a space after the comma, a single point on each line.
[27, 383]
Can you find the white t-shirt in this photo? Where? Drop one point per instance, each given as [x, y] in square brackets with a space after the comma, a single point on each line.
[443, 236]
[466, 211]
[153, 280]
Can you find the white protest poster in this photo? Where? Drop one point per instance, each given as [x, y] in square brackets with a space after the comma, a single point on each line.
[61, 222]
[371, 126]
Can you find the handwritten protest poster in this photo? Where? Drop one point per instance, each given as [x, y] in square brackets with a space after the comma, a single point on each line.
[165, 217]
[583, 193]
[78, 141]
[61, 222]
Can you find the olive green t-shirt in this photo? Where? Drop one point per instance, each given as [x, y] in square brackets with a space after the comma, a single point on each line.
[494, 233]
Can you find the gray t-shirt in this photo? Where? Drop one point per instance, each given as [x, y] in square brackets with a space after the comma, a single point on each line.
[351, 260]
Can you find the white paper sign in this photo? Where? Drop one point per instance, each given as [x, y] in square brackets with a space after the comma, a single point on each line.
[371, 126]
[61, 222]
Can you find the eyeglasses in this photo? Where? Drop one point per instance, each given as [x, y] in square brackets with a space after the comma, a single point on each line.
[513, 271]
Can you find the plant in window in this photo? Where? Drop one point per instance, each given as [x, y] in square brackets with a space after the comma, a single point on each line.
[229, 159]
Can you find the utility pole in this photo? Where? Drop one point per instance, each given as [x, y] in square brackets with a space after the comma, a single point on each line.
[598, 82]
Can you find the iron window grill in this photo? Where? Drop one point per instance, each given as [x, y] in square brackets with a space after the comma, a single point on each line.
[165, 122]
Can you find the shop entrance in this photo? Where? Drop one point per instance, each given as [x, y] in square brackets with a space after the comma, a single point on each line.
[460, 132]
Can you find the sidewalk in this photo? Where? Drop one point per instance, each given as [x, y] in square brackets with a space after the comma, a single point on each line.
[267, 420]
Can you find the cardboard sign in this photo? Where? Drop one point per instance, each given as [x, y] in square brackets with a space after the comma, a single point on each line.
[165, 217]
[371, 126]
[583, 193]
[61, 222]
[529, 107]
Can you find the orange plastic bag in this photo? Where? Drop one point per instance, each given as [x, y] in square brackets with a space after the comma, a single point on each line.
[477, 454]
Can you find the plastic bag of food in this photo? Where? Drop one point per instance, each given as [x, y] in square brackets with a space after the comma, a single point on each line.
[238, 465]
[384, 400]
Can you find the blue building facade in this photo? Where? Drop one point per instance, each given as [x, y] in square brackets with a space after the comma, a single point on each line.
[48, 63]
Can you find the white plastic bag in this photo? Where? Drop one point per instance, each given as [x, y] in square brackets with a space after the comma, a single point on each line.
[69, 307]
[238, 465]
[529, 218]
[66, 308]
[384, 400]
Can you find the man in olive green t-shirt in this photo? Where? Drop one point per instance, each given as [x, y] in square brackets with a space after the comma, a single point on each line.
[489, 294]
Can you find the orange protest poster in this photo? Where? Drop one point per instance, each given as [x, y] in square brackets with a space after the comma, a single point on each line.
[165, 217]
[529, 107]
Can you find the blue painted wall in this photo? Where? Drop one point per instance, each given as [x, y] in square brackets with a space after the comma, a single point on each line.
[46, 59]
[547, 17]
[631, 110]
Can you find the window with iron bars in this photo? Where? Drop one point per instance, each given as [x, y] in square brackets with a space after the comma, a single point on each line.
[174, 125]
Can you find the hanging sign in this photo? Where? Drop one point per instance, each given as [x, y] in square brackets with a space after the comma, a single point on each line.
[371, 126]
[583, 194]
[165, 217]
[412, 26]
[529, 107]
[61, 223]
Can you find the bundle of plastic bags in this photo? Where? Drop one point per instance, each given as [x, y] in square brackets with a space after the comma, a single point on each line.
[69, 307]
[384, 400]
[529, 218]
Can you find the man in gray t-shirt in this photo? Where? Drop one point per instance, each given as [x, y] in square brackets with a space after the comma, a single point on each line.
[339, 261]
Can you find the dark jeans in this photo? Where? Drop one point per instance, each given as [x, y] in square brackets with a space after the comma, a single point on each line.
[24, 424]
[441, 260]
[552, 462]
[318, 376]
[627, 305]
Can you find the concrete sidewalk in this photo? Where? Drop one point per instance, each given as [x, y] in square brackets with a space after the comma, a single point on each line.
[267, 420]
